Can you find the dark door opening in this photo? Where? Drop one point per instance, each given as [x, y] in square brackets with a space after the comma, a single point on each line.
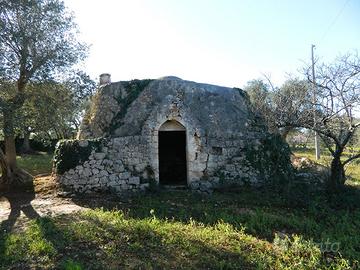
[172, 158]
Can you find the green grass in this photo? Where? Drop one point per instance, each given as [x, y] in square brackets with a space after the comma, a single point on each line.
[181, 230]
[40, 163]
[352, 170]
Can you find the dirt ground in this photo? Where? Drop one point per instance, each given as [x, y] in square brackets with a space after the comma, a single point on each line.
[17, 208]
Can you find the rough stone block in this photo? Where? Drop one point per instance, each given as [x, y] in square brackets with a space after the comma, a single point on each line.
[122, 182]
[99, 167]
[144, 186]
[98, 162]
[107, 162]
[104, 180]
[230, 167]
[87, 172]
[118, 162]
[96, 180]
[92, 162]
[194, 185]
[113, 178]
[205, 185]
[124, 175]
[104, 173]
[99, 156]
[118, 168]
[135, 180]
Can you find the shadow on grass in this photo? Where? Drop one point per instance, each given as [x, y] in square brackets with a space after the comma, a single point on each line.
[315, 216]
[34, 248]
[19, 202]
[226, 206]
[145, 245]
[95, 243]
[98, 242]
[41, 229]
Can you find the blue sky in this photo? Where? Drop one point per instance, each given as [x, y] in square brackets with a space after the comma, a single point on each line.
[223, 42]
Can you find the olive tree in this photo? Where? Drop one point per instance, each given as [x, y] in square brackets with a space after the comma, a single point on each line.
[53, 110]
[38, 40]
[333, 114]
[336, 107]
[282, 106]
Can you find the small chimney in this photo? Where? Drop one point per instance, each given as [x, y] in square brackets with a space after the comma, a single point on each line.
[105, 78]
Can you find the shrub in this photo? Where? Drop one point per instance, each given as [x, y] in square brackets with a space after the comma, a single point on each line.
[70, 153]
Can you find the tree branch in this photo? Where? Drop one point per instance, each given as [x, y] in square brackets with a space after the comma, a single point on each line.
[351, 159]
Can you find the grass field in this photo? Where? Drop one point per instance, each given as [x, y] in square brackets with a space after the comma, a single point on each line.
[246, 229]
[352, 170]
[40, 163]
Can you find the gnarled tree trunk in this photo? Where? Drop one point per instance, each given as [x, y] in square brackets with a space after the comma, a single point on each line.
[337, 173]
[14, 175]
[10, 149]
[4, 169]
[25, 148]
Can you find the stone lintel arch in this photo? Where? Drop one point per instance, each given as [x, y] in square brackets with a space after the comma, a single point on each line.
[172, 125]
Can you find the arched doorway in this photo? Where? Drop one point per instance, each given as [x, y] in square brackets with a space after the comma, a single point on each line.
[172, 154]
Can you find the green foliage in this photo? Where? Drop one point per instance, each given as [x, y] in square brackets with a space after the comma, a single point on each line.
[70, 153]
[133, 90]
[259, 94]
[38, 41]
[281, 106]
[45, 42]
[150, 178]
[81, 84]
[50, 108]
[271, 157]
[71, 265]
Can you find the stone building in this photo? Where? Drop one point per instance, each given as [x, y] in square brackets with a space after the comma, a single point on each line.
[169, 132]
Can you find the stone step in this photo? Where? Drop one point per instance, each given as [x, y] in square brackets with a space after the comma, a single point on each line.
[174, 187]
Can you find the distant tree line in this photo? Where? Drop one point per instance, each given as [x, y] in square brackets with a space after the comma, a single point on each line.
[52, 110]
[35, 145]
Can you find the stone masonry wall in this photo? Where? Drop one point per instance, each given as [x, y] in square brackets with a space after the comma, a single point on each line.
[120, 165]
[127, 164]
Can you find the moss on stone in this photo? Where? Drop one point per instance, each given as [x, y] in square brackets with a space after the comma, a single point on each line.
[242, 93]
[271, 158]
[70, 153]
[133, 89]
